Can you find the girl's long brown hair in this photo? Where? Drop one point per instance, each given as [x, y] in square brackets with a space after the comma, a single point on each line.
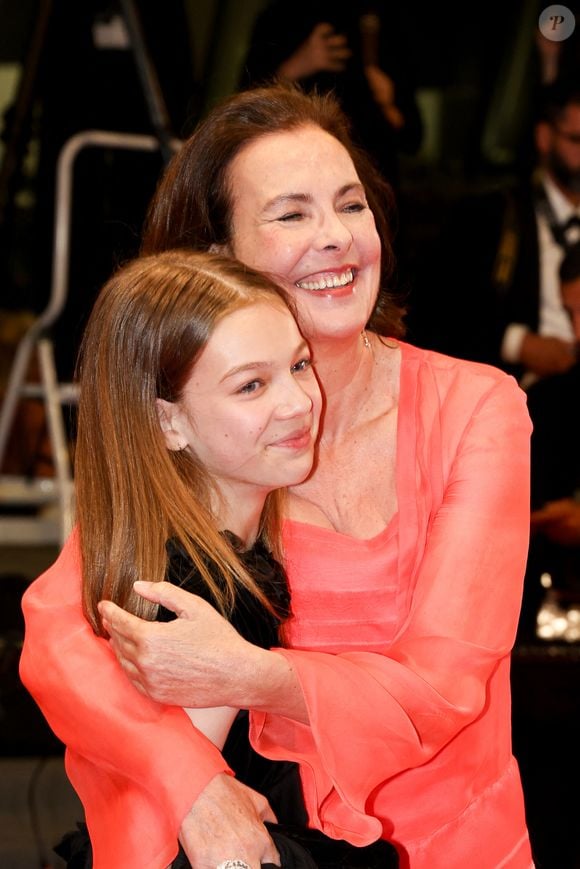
[148, 326]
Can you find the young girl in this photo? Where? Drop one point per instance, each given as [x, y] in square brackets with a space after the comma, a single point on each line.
[198, 402]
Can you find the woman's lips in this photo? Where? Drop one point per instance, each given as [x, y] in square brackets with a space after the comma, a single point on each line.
[325, 282]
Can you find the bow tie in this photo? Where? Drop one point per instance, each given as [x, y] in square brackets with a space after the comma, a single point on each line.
[571, 223]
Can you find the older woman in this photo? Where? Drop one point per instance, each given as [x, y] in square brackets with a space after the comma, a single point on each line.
[405, 548]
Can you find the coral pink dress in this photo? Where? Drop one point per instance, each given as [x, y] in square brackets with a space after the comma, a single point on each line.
[401, 644]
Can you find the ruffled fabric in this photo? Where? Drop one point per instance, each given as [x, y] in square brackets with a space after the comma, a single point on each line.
[249, 617]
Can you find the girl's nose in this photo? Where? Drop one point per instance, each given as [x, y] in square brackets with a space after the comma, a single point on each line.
[294, 400]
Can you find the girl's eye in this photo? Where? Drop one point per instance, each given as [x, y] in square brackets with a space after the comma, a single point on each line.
[302, 365]
[250, 387]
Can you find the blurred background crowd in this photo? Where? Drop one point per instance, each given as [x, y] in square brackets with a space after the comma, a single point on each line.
[471, 111]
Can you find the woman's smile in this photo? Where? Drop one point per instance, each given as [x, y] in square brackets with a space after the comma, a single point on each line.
[328, 280]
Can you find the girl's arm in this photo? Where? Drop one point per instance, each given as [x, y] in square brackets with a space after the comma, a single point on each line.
[214, 722]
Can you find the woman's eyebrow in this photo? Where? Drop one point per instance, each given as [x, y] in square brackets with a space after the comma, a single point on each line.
[349, 188]
[284, 198]
[305, 198]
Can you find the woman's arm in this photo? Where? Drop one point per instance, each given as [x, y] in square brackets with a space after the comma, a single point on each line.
[191, 660]
[468, 589]
[445, 678]
[433, 681]
[126, 755]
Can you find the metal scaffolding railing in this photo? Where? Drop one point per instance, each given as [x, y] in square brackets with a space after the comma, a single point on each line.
[42, 492]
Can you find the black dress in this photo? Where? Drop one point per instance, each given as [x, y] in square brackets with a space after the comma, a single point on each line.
[249, 617]
[278, 781]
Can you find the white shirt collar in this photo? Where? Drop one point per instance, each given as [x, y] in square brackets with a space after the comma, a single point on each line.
[562, 207]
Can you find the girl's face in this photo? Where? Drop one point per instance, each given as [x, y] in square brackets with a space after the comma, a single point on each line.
[249, 410]
[299, 212]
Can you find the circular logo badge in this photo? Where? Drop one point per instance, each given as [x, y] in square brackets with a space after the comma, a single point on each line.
[557, 23]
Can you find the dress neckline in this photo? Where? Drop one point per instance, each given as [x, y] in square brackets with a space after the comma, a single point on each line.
[313, 530]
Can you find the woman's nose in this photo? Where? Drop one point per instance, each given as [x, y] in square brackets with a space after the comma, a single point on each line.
[332, 233]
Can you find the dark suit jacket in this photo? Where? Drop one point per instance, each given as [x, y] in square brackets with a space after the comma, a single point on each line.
[554, 405]
[461, 306]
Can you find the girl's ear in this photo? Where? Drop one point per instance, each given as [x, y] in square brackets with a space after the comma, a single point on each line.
[170, 421]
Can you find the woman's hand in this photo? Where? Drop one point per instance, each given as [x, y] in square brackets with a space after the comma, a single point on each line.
[199, 660]
[226, 823]
[196, 661]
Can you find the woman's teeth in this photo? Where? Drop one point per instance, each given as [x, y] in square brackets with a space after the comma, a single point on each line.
[327, 283]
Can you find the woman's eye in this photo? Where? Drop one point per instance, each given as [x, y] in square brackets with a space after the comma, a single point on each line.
[291, 216]
[354, 207]
[250, 387]
[303, 365]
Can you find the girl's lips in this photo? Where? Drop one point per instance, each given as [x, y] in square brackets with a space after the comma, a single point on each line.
[296, 440]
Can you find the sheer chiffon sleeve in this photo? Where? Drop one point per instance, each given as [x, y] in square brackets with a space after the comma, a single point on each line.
[125, 754]
[375, 715]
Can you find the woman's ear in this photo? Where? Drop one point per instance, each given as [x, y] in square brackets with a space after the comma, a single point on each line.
[170, 421]
[221, 250]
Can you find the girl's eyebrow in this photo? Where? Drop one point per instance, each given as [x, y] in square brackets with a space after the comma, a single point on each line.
[249, 366]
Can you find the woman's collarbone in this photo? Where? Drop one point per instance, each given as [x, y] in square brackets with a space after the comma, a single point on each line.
[345, 509]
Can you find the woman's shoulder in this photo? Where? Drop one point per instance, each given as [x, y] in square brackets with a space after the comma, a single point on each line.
[456, 390]
[453, 371]
[60, 584]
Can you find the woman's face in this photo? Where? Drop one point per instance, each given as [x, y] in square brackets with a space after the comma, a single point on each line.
[249, 410]
[299, 212]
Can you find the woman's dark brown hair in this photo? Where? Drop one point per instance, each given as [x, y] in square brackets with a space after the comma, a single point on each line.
[193, 202]
[149, 324]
